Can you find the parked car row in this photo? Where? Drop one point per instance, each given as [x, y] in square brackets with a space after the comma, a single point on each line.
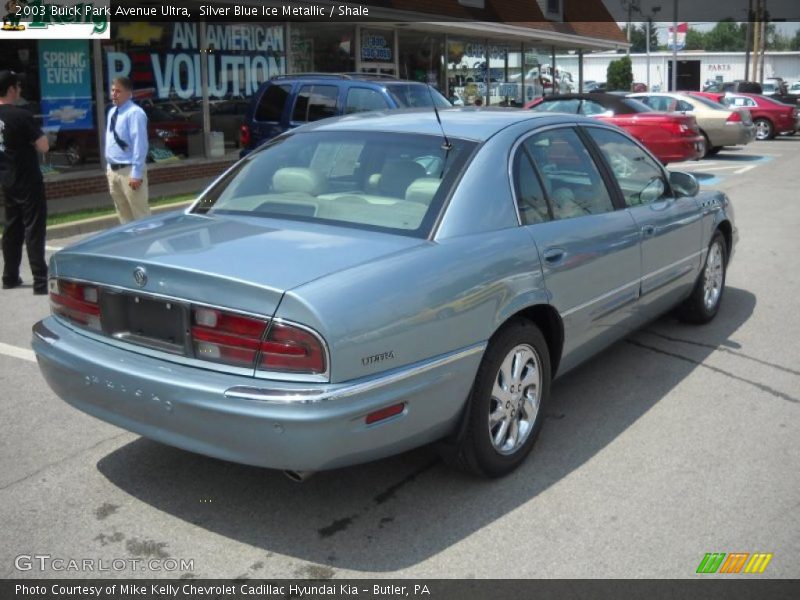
[672, 137]
[770, 116]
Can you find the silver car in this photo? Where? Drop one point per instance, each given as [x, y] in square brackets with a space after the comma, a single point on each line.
[720, 125]
[364, 285]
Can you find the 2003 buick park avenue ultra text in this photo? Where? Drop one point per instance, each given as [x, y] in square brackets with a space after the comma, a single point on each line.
[364, 285]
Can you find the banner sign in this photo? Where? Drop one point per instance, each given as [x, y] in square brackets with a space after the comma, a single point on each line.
[66, 81]
[682, 29]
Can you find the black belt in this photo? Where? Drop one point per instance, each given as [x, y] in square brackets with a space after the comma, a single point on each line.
[117, 167]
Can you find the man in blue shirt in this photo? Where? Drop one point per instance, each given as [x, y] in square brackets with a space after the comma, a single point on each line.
[126, 152]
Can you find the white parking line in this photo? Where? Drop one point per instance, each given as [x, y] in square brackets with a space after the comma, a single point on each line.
[15, 352]
[744, 169]
[52, 248]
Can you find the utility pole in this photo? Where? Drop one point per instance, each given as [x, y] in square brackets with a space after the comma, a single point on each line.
[756, 38]
[748, 40]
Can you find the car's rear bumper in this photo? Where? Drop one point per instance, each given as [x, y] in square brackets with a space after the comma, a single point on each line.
[680, 149]
[254, 421]
[735, 134]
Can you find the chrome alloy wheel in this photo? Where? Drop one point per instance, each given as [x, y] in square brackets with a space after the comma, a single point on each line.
[712, 283]
[515, 399]
[763, 129]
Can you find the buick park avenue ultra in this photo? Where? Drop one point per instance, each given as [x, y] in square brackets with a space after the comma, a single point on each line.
[364, 285]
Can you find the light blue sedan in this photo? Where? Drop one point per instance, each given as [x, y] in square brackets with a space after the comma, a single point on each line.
[365, 285]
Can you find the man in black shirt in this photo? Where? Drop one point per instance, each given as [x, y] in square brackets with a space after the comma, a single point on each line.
[23, 187]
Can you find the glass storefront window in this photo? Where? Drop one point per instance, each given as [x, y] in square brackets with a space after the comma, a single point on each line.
[466, 71]
[505, 75]
[164, 62]
[421, 57]
[322, 48]
[377, 51]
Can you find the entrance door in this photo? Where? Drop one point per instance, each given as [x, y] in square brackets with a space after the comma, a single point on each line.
[688, 74]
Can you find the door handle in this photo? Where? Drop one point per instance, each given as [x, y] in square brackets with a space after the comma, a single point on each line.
[648, 230]
[554, 255]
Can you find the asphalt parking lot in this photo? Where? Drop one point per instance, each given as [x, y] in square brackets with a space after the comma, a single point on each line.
[676, 442]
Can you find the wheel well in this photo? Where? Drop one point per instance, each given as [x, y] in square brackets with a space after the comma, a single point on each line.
[725, 228]
[547, 319]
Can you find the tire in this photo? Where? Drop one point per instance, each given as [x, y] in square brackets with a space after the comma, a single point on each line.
[509, 395]
[764, 129]
[707, 151]
[74, 153]
[703, 304]
[714, 151]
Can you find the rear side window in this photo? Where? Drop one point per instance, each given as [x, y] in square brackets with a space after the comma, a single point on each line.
[270, 108]
[571, 179]
[531, 202]
[363, 99]
[315, 102]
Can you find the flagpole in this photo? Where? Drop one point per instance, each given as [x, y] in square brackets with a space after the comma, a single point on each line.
[675, 46]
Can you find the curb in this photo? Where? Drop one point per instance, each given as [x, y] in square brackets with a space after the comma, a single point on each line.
[94, 224]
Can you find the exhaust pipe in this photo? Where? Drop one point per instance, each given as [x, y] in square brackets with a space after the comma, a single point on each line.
[298, 476]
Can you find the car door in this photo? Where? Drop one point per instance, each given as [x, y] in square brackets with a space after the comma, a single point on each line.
[268, 115]
[670, 227]
[314, 102]
[588, 248]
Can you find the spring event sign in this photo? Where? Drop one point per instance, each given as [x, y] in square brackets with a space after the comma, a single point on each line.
[66, 82]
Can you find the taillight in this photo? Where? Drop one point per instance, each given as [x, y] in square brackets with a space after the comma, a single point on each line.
[676, 128]
[244, 136]
[77, 302]
[734, 117]
[292, 349]
[237, 340]
[227, 338]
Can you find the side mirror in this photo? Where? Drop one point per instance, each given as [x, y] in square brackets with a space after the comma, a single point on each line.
[683, 184]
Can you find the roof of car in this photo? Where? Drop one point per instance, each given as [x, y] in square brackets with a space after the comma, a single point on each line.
[459, 122]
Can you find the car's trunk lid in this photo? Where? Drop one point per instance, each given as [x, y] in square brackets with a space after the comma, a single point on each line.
[241, 263]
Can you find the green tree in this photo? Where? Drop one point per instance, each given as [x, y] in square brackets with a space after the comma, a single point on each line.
[619, 75]
[726, 36]
[695, 40]
[796, 40]
[639, 38]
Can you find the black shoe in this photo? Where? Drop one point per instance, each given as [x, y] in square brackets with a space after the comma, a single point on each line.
[9, 286]
[37, 291]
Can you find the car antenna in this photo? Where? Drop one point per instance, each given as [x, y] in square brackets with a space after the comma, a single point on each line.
[446, 145]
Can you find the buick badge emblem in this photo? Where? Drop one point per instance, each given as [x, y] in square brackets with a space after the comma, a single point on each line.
[140, 276]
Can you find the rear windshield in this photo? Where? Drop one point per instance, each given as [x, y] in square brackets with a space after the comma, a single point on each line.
[708, 102]
[416, 96]
[392, 182]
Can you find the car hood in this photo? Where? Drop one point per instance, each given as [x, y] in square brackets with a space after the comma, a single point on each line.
[245, 263]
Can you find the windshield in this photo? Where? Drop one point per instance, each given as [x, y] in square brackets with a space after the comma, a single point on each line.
[393, 182]
[416, 96]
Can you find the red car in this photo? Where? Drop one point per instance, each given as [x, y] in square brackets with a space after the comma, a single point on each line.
[671, 137]
[770, 117]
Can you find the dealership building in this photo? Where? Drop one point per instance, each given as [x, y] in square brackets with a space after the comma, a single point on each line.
[195, 79]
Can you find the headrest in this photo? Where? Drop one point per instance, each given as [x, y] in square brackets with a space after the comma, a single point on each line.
[297, 179]
[423, 190]
[397, 175]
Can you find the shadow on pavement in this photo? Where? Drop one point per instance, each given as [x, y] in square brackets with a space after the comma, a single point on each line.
[398, 512]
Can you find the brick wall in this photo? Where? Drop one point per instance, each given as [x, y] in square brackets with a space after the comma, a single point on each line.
[94, 182]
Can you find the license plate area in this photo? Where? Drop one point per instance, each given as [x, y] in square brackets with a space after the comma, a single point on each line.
[158, 324]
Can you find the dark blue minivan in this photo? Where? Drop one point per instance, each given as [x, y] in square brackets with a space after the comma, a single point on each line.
[289, 101]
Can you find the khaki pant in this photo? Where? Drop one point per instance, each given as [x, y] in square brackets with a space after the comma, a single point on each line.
[130, 204]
